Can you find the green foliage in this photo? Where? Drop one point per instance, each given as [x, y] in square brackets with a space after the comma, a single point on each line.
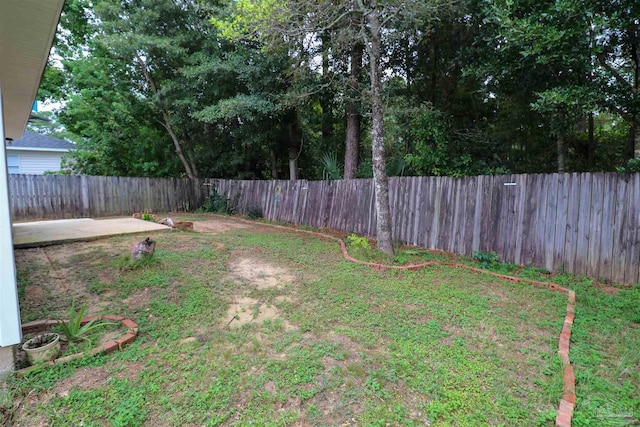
[487, 91]
[488, 260]
[218, 203]
[146, 216]
[633, 166]
[356, 241]
[73, 328]
[332, 168]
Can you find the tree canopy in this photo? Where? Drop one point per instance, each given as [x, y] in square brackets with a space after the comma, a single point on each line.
[283, 89]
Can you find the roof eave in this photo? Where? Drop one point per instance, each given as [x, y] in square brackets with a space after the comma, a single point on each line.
[27, 30]
[54, 150]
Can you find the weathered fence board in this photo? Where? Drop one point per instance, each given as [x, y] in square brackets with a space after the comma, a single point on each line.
[586, 224]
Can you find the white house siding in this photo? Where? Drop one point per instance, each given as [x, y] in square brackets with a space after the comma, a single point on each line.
[37, 163]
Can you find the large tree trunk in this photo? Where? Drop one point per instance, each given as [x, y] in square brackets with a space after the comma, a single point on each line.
[325, 101]
[383, 210]
[294, 147]
[354, 118]
[635, 126]
[560, 143]
[166, 123]
[561, 150]
[273, 163]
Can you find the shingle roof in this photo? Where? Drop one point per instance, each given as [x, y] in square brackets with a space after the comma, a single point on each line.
[33, 140]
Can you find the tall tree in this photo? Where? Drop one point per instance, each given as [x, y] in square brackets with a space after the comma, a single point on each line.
[279, 21]
[547, 46]
[617, 40]
[154, 38]
[354, 115]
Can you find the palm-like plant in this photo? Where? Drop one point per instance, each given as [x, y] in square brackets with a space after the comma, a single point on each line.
[332, 168]
[73, 328]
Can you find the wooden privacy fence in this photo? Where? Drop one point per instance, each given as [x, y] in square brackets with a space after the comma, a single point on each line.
[63, 196]
[586, 224]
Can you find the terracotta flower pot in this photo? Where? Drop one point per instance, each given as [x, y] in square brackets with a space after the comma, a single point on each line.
[42, 348]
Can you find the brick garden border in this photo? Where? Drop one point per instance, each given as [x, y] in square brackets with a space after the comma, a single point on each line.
[568, 400]
[107, 347]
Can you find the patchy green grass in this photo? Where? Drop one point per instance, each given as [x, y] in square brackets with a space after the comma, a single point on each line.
[275, 328]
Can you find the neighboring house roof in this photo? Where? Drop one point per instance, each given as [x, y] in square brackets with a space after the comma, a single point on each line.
[35, 142]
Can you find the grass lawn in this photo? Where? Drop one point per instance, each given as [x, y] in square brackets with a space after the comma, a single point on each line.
[247, 325]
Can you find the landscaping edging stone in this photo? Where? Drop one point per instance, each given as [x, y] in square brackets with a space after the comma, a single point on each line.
[107, 347]
[568, 400]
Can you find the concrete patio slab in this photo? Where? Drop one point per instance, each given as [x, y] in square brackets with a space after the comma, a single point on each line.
[44, 233]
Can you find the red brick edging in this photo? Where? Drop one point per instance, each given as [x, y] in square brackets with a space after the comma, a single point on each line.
[568, 400]
[108, 347]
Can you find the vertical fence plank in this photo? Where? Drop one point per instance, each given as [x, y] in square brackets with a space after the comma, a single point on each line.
[595, 225]
[532, 196]
[562, 199]
[584, 217]
[571, 225]
[607, 230]
[548, 221]
[471, 185]
[511, 218]
[620, 225]
[519, 214]
[429, 211]
[487, 213]
[632, 268]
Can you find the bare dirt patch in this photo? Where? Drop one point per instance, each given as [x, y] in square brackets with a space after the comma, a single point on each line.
[138, 299]
[245, 310]
[94, 378]
[606, 288]
[217, 226]
[260, 273]
[61, 275]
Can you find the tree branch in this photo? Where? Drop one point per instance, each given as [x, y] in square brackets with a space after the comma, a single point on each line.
[619, 78]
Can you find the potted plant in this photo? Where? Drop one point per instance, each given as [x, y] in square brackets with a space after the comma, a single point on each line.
[42, 348]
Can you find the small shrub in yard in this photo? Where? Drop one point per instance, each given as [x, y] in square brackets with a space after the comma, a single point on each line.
[358, 242]
[487, 260]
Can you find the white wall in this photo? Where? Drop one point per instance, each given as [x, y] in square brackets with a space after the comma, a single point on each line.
[37, 162]
[10, 330]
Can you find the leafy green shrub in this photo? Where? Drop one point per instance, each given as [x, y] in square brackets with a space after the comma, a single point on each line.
[487, 260]
[146, 216]
[356, 241]
[218, 203]
[332, 168]
[633, 165]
